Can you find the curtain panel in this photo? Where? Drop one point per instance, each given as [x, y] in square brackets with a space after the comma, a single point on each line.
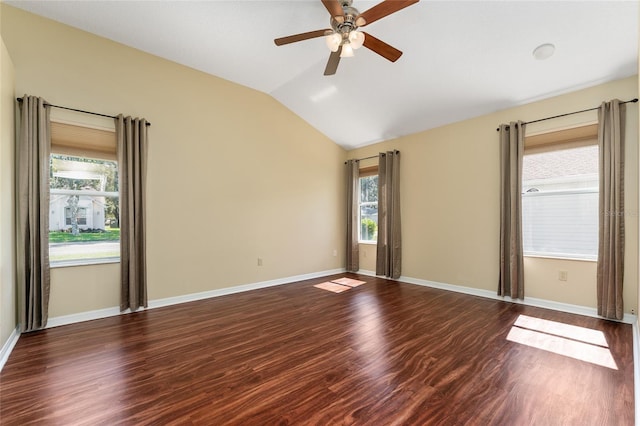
[32, 213]
[353, 248]
[511, 280]
[389, 245]
[132, 144]
[611, 210]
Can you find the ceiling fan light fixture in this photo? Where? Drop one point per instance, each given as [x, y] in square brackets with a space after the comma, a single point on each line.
[347, 50]
[356, 39]
[333, 41]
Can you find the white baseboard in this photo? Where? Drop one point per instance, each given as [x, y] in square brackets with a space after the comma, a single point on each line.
[83, 316]
[366, 272]
[636, 371]
[110, 312]
[8, 346]
[238, 289]
[558, 306]
[529, 301]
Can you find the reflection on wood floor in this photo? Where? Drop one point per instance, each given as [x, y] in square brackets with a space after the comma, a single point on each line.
[382, 353]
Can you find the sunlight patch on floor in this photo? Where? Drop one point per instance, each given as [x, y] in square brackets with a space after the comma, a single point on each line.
[580, 343]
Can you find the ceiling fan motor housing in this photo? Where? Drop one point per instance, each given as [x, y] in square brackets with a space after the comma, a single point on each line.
[350, 21]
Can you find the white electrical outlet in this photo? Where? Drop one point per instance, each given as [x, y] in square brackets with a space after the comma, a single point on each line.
[335, 252]
[563, 275]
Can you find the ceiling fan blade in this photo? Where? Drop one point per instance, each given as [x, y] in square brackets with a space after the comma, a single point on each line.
[332, 64]
[334, 8]
[381, 48]
[299, 37]
[387, 7]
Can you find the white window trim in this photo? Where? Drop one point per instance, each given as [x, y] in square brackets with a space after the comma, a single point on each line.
[85, 262]
[369, 203]
[560, 256]
[565, 138]
[576, 191]
[360, 204]
[87, 193]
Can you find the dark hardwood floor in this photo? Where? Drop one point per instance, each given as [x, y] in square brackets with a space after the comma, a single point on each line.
[384, 353]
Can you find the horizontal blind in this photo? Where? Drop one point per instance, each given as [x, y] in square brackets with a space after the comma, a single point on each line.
[562, 223]
[368, 171]
[69, 139]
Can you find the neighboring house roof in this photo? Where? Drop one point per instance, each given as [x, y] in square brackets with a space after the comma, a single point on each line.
[553, 164]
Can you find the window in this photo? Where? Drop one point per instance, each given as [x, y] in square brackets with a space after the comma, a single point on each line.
[84, 197]
[560, 195]
[80, 216]
[368, 204]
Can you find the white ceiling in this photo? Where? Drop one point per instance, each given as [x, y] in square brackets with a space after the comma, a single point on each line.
[461, 58]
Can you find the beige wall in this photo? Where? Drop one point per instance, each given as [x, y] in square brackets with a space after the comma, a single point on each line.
[542, 282]
[233, 175]
[93, 287]
[450, 200]
[368, 257]
[278, 182]
[7, 268]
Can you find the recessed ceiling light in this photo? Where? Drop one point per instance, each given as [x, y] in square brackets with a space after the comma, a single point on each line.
[544, 51]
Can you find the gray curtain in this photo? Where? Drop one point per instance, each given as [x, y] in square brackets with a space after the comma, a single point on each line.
[611, 210]
[389, 247]
[32, 213]
[132, 163]
[511, 262]
[353, 248]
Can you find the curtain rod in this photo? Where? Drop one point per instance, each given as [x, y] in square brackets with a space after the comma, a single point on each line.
[78, 110]
[369, 158]
[571, 113]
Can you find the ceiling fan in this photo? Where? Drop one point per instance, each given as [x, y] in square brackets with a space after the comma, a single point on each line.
[343, 37]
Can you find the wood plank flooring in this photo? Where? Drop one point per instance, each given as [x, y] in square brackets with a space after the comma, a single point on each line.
[384, 353]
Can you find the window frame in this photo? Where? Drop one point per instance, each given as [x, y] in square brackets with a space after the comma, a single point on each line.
[76, 140]
[365, 172]
[67, 218]
[556, 140]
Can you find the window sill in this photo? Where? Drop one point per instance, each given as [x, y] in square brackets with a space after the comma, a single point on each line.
[83, 262]
[368, 243]
[560, 257]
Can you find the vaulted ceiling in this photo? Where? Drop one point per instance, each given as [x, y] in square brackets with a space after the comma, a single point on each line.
[461, 58]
